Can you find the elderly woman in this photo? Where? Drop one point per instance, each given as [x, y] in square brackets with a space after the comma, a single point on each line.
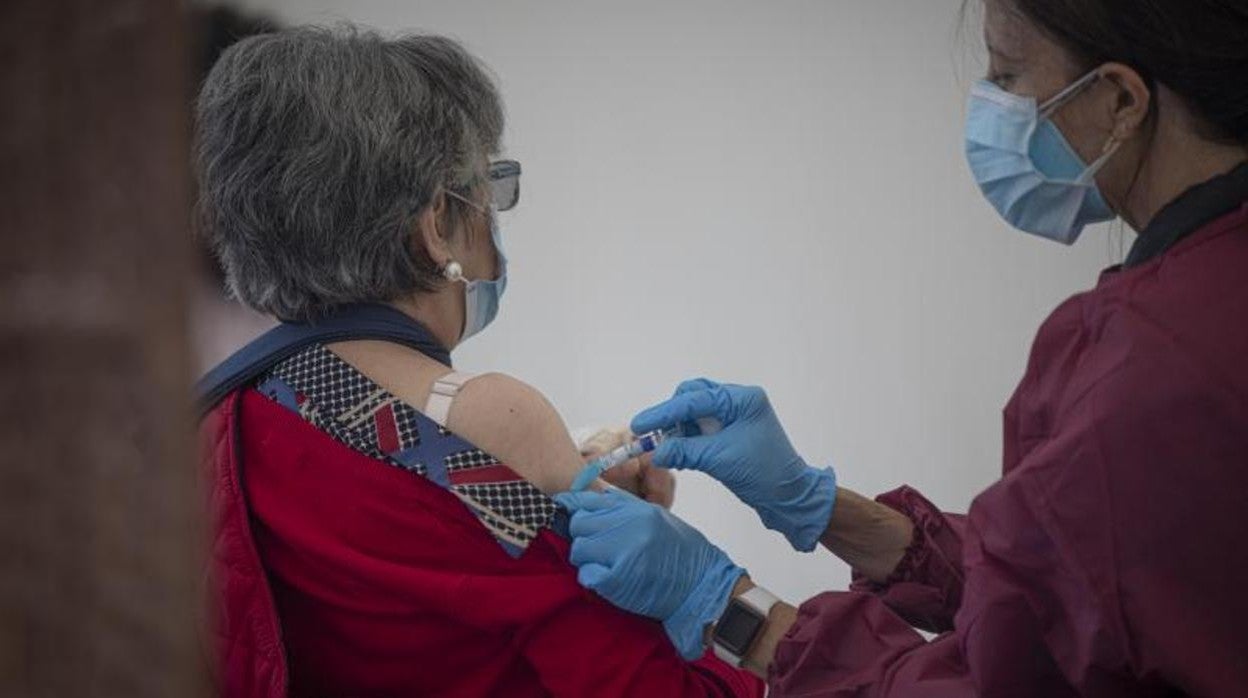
[382, 522]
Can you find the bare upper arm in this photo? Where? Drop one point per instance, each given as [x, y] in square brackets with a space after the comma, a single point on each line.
[502, 416]
[516, 424]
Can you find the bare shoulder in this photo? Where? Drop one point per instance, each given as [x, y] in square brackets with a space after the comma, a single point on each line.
[404, 372]
[501, 415]
[515, 423]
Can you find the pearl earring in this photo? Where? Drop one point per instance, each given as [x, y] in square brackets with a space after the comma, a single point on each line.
[453, 271]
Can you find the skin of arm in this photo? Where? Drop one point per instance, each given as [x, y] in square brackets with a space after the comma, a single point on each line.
[517, 424]
[870, 537]
[499, 414]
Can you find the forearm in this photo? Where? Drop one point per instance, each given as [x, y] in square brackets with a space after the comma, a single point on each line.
[777, 625]
[871, 537]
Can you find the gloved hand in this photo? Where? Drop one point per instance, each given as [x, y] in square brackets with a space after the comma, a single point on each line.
[643, 559]
[751, 455]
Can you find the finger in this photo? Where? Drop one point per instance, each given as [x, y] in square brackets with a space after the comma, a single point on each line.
[586, 523]
[659, 487]
[599, 485]
[624, 475]
[690, 453]
[588, 476]
[690, 386]
[576, 502]
[685, 407]
[593, 575]
[591, 550]
[706, 425]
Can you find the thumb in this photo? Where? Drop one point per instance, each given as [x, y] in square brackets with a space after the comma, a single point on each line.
[684, 407]
[592, 575]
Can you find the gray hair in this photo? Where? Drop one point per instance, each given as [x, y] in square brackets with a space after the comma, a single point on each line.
[317, 151]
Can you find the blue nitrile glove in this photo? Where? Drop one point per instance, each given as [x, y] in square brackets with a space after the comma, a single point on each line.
[643, 559]
[751, 455]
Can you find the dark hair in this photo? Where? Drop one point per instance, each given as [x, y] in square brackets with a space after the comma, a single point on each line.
[1196, 48]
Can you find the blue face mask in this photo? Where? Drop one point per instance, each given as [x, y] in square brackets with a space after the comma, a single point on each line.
[1025, 167]
[482, 297]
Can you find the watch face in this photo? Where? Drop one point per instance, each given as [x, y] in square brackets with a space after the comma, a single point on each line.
[737, 627]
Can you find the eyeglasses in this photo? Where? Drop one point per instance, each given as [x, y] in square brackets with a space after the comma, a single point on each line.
[504, 177]
[505, 184]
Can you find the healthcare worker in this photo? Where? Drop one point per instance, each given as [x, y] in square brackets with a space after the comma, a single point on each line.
[1111, 559]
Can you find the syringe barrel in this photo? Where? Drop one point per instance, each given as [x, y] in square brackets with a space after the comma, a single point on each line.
[638, 445]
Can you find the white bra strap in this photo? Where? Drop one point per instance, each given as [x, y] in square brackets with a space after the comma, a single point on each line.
[443, 393]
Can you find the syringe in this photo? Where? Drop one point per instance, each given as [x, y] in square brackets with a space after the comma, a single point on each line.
[635, 447]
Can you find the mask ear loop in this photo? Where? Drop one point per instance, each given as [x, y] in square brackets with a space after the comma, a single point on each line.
[1073, 90]
[1064, 97]
[1110, 149]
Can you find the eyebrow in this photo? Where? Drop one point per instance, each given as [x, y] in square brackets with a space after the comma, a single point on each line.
[1002, 54]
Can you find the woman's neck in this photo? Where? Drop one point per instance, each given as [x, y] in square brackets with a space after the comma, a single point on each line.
[1178, 159]
[440, 312]
[1170, 179]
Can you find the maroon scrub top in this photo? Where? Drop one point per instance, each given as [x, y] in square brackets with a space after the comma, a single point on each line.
[1111, 559]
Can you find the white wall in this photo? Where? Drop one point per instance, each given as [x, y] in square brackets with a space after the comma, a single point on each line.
[763, 192]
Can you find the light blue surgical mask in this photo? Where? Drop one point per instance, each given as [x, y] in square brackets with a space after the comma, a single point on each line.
[483, 296]
[1025, 166]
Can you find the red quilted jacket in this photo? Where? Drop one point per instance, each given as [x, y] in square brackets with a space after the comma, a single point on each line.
[338, 574]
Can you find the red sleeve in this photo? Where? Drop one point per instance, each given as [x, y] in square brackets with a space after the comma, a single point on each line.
[588, 647]
[853, 644]
[1105, 564]
[926, 587]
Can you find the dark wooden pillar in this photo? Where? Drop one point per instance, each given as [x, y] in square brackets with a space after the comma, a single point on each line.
[99, 545]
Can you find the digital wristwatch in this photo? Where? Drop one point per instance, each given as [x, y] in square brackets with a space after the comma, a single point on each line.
[740, 625]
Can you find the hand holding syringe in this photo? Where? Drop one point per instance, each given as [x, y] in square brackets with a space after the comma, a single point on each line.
[635, 447]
